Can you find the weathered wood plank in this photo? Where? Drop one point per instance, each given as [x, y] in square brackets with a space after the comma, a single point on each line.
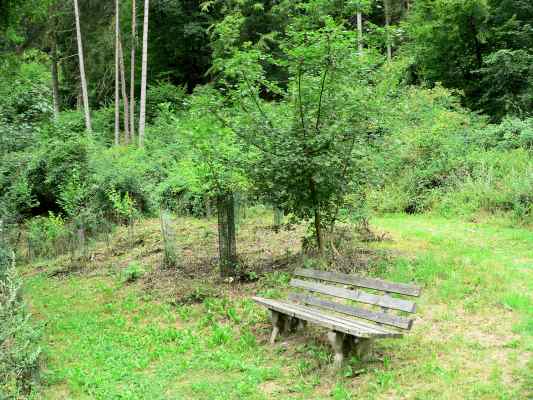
[326, 323]
[360, 281]
[333, 323]
[388, 319]
[356, 295]
[349, 321]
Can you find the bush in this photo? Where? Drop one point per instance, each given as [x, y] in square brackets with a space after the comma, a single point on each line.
[511, 133]
[123, 171]
[6, 259]
[498, 182]
[47, 236]
[164, 96]
[20, 353]
[132, 272]
[437, 156]
[423, 151]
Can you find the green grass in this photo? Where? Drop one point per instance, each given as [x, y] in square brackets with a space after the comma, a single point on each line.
[106, 338]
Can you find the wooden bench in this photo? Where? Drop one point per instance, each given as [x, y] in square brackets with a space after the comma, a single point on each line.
[350, 327]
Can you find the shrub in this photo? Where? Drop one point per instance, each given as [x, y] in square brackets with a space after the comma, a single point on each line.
[123, 171]
[47, 236]
[164, 96]
[6, 258]
[20, 353]
[498, 182]
[423, 151]
[511, 133]
[132, 272]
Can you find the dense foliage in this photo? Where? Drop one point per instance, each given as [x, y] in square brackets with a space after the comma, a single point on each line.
[483, 48]
[275, 100]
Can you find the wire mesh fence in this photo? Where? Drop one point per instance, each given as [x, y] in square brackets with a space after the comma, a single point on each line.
[168, 233]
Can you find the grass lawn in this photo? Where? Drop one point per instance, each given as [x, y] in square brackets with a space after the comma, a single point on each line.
[184, 335]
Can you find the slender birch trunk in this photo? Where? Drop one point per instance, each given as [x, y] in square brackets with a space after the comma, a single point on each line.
[124, 93]
[142, 118]
[386, 4]
[117, 75]
[132, 78]
[360, 32]
[55, 79]
[85, 96]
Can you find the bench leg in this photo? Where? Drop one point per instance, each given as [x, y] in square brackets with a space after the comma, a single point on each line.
[278, 322]
[301, 325]
[363, 348]
[293, 324]
[336, 339]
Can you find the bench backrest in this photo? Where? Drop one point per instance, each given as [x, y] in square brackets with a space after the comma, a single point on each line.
[378, 304]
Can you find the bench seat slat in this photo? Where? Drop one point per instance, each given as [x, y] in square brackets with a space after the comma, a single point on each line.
[357, 295]
[289, 310]
[360, 281]
[388, 319]
[334, 317]
[327, 321]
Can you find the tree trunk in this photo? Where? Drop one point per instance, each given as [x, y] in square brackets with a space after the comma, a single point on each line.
[144, 67]
[124, 94]
[117, 75]
[55, 80]
[227, 244]
[318, 232]
[278, 218]
[85, 96]
[132, 78]
[79, 100]
[319, 235]
[360, 32]
[387, 26]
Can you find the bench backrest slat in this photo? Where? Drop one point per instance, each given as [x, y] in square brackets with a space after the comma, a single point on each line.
[380, 317]
[356, 295]
[359, 281]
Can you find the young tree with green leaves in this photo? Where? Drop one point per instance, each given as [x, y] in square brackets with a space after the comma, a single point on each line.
[214, 165]
[307, 147]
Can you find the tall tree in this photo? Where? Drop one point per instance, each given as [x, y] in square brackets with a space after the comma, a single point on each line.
[132, 77]
[387, 7]
[127, 136]
[117, 74]
[55, 78]
[83, 80]
[144, 67]
[52, 37]
[359, 31]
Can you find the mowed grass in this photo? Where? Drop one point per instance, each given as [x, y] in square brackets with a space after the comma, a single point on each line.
[472, 338]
